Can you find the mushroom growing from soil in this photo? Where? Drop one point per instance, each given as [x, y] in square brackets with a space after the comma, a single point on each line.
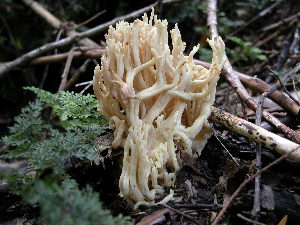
[157, 102]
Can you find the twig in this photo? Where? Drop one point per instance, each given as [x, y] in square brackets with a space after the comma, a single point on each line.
[159, 8]
[257, 182]
[242, 185]
[286, 77]
[77, 74]
[249, 220]
[283, 86]
[235, 82]
[90, 19]
[256, 203]
[85, 88]
[283, 56]
[279, 23]
[86, 52]
[84, 83]
[9, 32]
[181, 213]
[45, 74]
[227, 150]
[258, 134]
[56, 23]
[294, 48]
[64, 76]
[261, 87]
[40, 10]
[69, 40]
[259, 15]
[259, 43]
[295, 88]
[203, 206]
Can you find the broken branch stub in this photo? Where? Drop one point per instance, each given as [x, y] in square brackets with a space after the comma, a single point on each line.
[156, 100]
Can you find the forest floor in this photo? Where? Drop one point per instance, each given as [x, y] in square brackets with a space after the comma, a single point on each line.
[265, 45]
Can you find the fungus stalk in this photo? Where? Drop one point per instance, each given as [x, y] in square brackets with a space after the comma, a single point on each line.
[157, 102]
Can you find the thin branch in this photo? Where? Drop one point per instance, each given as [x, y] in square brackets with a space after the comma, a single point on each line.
[285, 78]
[69, 40]
[181, 213]
[284, 87]
[258, 134]
[249, 220]
[45, 14]
[257, 182]
[213, 207]
[234, 81]
[260, 86]
[256, 203]
[90, 19]
[259, 15]
[53, 21]
[231, 156]
[66, 71]
[282, 21]
[242, 185]
[81, 52]
[294, 48]
[77, 74]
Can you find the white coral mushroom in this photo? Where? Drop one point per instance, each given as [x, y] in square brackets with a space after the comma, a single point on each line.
[155, 99]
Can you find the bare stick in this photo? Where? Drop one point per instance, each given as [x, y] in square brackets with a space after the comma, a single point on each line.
[85, 52]
[181, 213]
[256, 204]
[257, 182]
[39, 9]
[69, 40]
[283, 86]
[66, 71]
[277, 96]
[286, 77]
[279, 23]
[258, 134]
[56, 23]
[213, 207]
[77, 74]
[90, 19]
[260, 86]
[242, 185]
[235, 82]
[249, 220]
[259, 15]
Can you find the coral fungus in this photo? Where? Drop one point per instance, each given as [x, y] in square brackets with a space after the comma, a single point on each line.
[156, 100]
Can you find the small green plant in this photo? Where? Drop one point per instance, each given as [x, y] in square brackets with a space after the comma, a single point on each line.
[244, 52]
[45, 145]
[73, 109]
[66, 204]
